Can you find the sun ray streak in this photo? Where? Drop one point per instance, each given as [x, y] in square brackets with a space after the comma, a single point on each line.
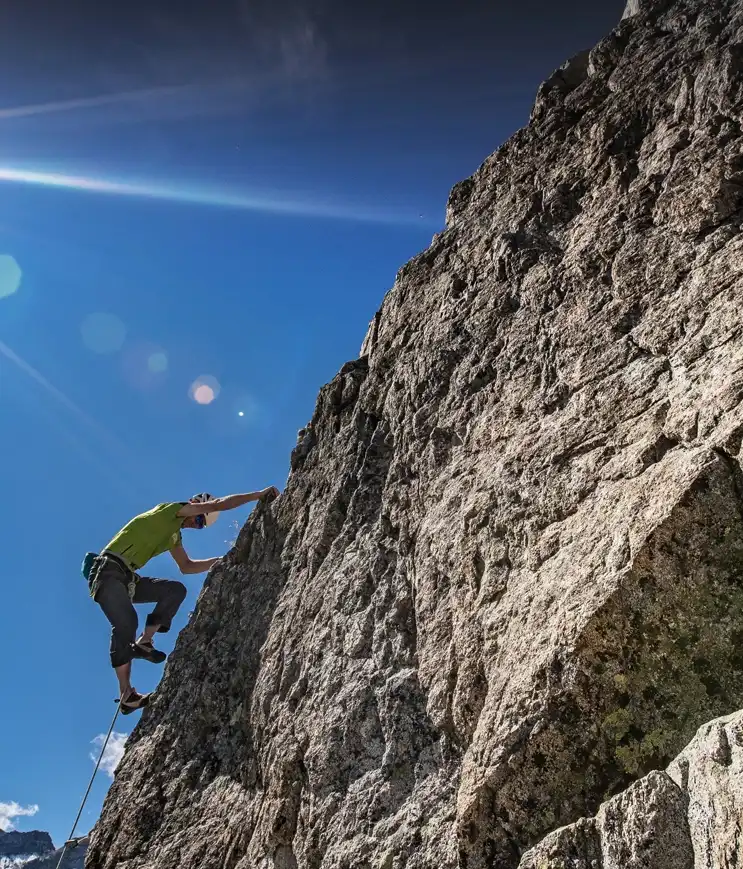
[134, 96]
[56, 393]
[121, 483]
[79, 415]
[275, 204]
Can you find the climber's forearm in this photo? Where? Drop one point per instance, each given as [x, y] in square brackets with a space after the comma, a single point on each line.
[219, 505]
[229, 502]
[200, 565]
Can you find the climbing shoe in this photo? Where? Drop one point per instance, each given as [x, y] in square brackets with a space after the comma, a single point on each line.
[133, 701]
[148, 652]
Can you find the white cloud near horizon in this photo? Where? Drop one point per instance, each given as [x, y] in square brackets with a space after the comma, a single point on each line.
[10, 811]
[113, 753]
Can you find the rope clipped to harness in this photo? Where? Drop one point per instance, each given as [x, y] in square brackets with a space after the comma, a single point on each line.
[71, 840]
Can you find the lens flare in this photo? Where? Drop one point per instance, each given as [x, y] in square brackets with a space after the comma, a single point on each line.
[205, 389]
[10, 275]
[144, 365]
[103, 333]
[158, 363]
[203, 394]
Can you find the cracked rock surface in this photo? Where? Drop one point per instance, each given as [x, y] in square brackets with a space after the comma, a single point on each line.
[503, 582]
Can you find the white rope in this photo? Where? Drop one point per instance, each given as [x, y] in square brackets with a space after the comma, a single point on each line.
[71, 838]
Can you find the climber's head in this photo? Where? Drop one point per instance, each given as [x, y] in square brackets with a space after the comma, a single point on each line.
[203, 519]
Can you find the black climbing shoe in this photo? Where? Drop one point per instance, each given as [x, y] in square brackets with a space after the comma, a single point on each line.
[134, 701]
[148, 652]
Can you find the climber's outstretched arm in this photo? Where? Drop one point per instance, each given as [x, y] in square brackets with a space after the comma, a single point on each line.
[229, 502]
[191, 565]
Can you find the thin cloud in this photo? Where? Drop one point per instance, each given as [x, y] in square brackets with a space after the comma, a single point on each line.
[270, 54]
[303, 53]
[281, 36]
[113, 753]
[10, 811]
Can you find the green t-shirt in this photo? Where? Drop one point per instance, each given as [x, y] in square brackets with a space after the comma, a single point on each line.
[149, 534]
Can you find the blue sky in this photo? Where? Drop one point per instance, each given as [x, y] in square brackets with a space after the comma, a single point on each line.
[234, 194]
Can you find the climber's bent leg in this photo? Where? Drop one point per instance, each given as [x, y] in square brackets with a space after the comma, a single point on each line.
[113, 598]
[168, 594]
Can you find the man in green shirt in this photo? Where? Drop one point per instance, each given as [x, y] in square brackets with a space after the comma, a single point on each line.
[115, 584]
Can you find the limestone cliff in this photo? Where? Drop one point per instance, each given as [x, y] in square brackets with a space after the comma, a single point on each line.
[503, 581]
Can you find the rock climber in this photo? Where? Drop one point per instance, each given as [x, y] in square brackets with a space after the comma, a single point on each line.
[115, 584]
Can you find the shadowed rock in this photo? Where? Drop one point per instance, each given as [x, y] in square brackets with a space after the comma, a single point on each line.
[688, 817]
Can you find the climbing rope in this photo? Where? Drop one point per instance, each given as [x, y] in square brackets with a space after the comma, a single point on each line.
[71, 840]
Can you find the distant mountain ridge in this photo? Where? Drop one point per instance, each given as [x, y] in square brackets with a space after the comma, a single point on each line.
[14, 843]
[74, 858]
[35, 850]
[17, 848]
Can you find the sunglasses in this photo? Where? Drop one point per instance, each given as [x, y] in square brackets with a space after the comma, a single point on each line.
[200, 521]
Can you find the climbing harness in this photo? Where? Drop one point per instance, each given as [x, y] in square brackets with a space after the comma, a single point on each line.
[71, 840]
[94, 563]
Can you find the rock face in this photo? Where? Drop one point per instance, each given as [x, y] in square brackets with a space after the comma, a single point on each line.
[688, 817]
[633, 7]
[503, 582]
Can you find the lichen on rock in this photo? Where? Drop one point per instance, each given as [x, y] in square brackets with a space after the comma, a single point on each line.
[687, 817]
